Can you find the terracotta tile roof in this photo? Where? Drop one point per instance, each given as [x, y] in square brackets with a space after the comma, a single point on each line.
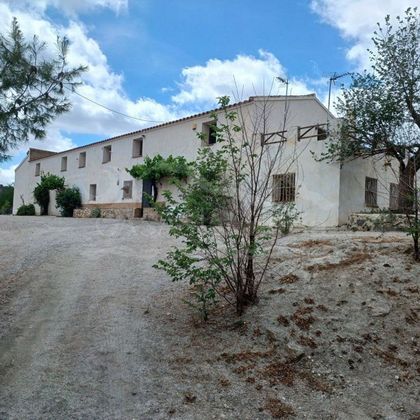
[145, 130]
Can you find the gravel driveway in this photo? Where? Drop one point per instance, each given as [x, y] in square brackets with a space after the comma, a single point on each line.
[75, 341]
[89, 330]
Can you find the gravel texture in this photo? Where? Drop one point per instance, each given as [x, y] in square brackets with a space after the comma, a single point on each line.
[89, 330]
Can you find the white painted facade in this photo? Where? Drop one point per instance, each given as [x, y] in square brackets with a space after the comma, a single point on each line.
[325, 193]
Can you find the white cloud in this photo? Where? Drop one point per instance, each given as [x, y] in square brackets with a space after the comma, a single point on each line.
[200, 85]
[7, 175]
[70, 7]
[356, 20]
[240, 78]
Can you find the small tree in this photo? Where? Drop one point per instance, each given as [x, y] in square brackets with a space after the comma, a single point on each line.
[228, 227]
[382, 103]
[31, 87]
[42, 190]
[158, 168]
[67, 200]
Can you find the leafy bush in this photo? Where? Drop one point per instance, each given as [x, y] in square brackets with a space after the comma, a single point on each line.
[157, 168]
[26, 210]
[42, 190]
[285, 217]
[67, 200]
[6, 199]
[95, 213]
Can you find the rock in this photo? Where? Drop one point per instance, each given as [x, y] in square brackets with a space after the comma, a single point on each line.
[297, 351]
[380, 308]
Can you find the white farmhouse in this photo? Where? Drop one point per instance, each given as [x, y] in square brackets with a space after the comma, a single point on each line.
[325, 193]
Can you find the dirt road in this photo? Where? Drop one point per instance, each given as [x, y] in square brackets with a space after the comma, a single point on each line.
[89, 330]
[74, 339]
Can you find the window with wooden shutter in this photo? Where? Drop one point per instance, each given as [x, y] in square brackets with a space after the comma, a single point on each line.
[284, 188]
[393, 196]
[371, 192]
[82, 159]
[106, 157]
[92, 192]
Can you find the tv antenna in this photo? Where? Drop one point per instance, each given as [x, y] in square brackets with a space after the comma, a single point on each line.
[333, 78]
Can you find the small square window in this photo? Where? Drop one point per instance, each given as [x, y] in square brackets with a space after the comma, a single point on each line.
[92, 192]
[127, 190]
[284, 188]
[82, 159]
[371, 192]
[37, 169]
[64, 163]
[106, 154]
[137, 148]
[210, 133]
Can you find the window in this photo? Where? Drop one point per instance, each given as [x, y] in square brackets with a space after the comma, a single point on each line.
[393, 196]
[106, 154]
[127, 190]
[284, 189]
[82, 159]
[371, 192]
[64, 163]
[321, 133]
[92, 192]
[209, 131]
[137, 148]
[37, 169]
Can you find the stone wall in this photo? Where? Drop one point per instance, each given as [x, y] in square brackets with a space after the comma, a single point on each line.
[377, 221]
[118, 213]
[151, 215]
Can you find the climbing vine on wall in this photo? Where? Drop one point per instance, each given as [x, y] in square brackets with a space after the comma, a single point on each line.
[42, 190]
[157, 168]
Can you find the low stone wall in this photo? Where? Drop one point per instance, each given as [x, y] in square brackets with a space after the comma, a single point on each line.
[150, 214]
[377, 222]
[118, 213]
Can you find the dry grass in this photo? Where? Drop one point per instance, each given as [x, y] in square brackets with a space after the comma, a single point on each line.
[282, 320]
[307, 342]
[311, 243]
[302, 321]
[289, 279]
[356, 258]
[278, 409]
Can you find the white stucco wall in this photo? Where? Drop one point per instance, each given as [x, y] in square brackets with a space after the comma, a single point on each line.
[318, 184]
[352, 184]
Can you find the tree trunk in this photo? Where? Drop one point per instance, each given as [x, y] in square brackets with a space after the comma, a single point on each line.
[155, 191]
[406, 186]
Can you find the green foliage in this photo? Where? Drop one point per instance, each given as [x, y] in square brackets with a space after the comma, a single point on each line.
[385, 221]
[414, 223]
[67, 200]
[285, 215]
[42, 190]
[378, 104]
[220, 216]
[31, 87]
[6, 208]
[95, 213]
[157, 168]
[26, 210]
[6, 199]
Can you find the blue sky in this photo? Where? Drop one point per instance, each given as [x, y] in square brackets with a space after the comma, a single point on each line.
[161, 59]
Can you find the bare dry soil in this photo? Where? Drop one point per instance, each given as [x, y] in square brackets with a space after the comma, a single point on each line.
[88, 329]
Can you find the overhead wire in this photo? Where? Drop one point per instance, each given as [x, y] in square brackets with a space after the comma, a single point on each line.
[113, 110]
